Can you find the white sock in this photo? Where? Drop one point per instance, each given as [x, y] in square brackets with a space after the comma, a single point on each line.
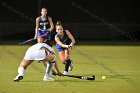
[49, 69]
[21, 71]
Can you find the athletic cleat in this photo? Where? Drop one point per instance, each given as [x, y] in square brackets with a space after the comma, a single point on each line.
[18, 78]
[48, 79]
[65, 73]
[71, 66]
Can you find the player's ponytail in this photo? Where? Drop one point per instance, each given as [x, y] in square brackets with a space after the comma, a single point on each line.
[59, 23]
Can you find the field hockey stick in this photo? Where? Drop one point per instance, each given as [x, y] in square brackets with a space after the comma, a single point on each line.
[29, 40]
[21, 43]
[81, 77]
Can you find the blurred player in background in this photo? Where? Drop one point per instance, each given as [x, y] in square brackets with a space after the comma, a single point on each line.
[64, 42]
[44, 25]
[41, 52]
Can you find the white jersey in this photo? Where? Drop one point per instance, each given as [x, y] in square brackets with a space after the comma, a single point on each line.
[35, 52]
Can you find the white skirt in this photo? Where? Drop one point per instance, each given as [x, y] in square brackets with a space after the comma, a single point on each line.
[34, 54]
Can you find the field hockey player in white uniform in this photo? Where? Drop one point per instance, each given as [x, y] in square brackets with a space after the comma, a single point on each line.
[39, 52]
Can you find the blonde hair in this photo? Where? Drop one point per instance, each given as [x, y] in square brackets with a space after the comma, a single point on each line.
[59, 23]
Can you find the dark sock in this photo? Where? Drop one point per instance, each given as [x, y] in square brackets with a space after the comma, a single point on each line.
[67, 64]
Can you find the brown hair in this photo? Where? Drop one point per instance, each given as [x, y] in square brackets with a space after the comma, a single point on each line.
[43, 8]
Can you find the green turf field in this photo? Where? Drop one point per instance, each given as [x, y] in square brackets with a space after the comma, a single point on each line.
[120, 64]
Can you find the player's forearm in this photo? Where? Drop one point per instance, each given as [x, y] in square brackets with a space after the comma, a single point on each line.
[62, 45]
[36, 31]
[73, 41]
[51, 28]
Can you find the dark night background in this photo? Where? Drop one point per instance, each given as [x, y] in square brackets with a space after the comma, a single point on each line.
[17, 18]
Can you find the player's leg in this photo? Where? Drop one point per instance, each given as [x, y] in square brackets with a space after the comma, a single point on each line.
[68, 60]
[71, 65]
[47, 39]
[55, 71]
[62, 56]
[49, 42]
[21, 69]
[40, 40]
[49, 61]
[48, 73]
[64, 60]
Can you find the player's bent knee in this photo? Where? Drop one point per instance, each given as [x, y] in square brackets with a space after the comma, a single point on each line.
[68, 57]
